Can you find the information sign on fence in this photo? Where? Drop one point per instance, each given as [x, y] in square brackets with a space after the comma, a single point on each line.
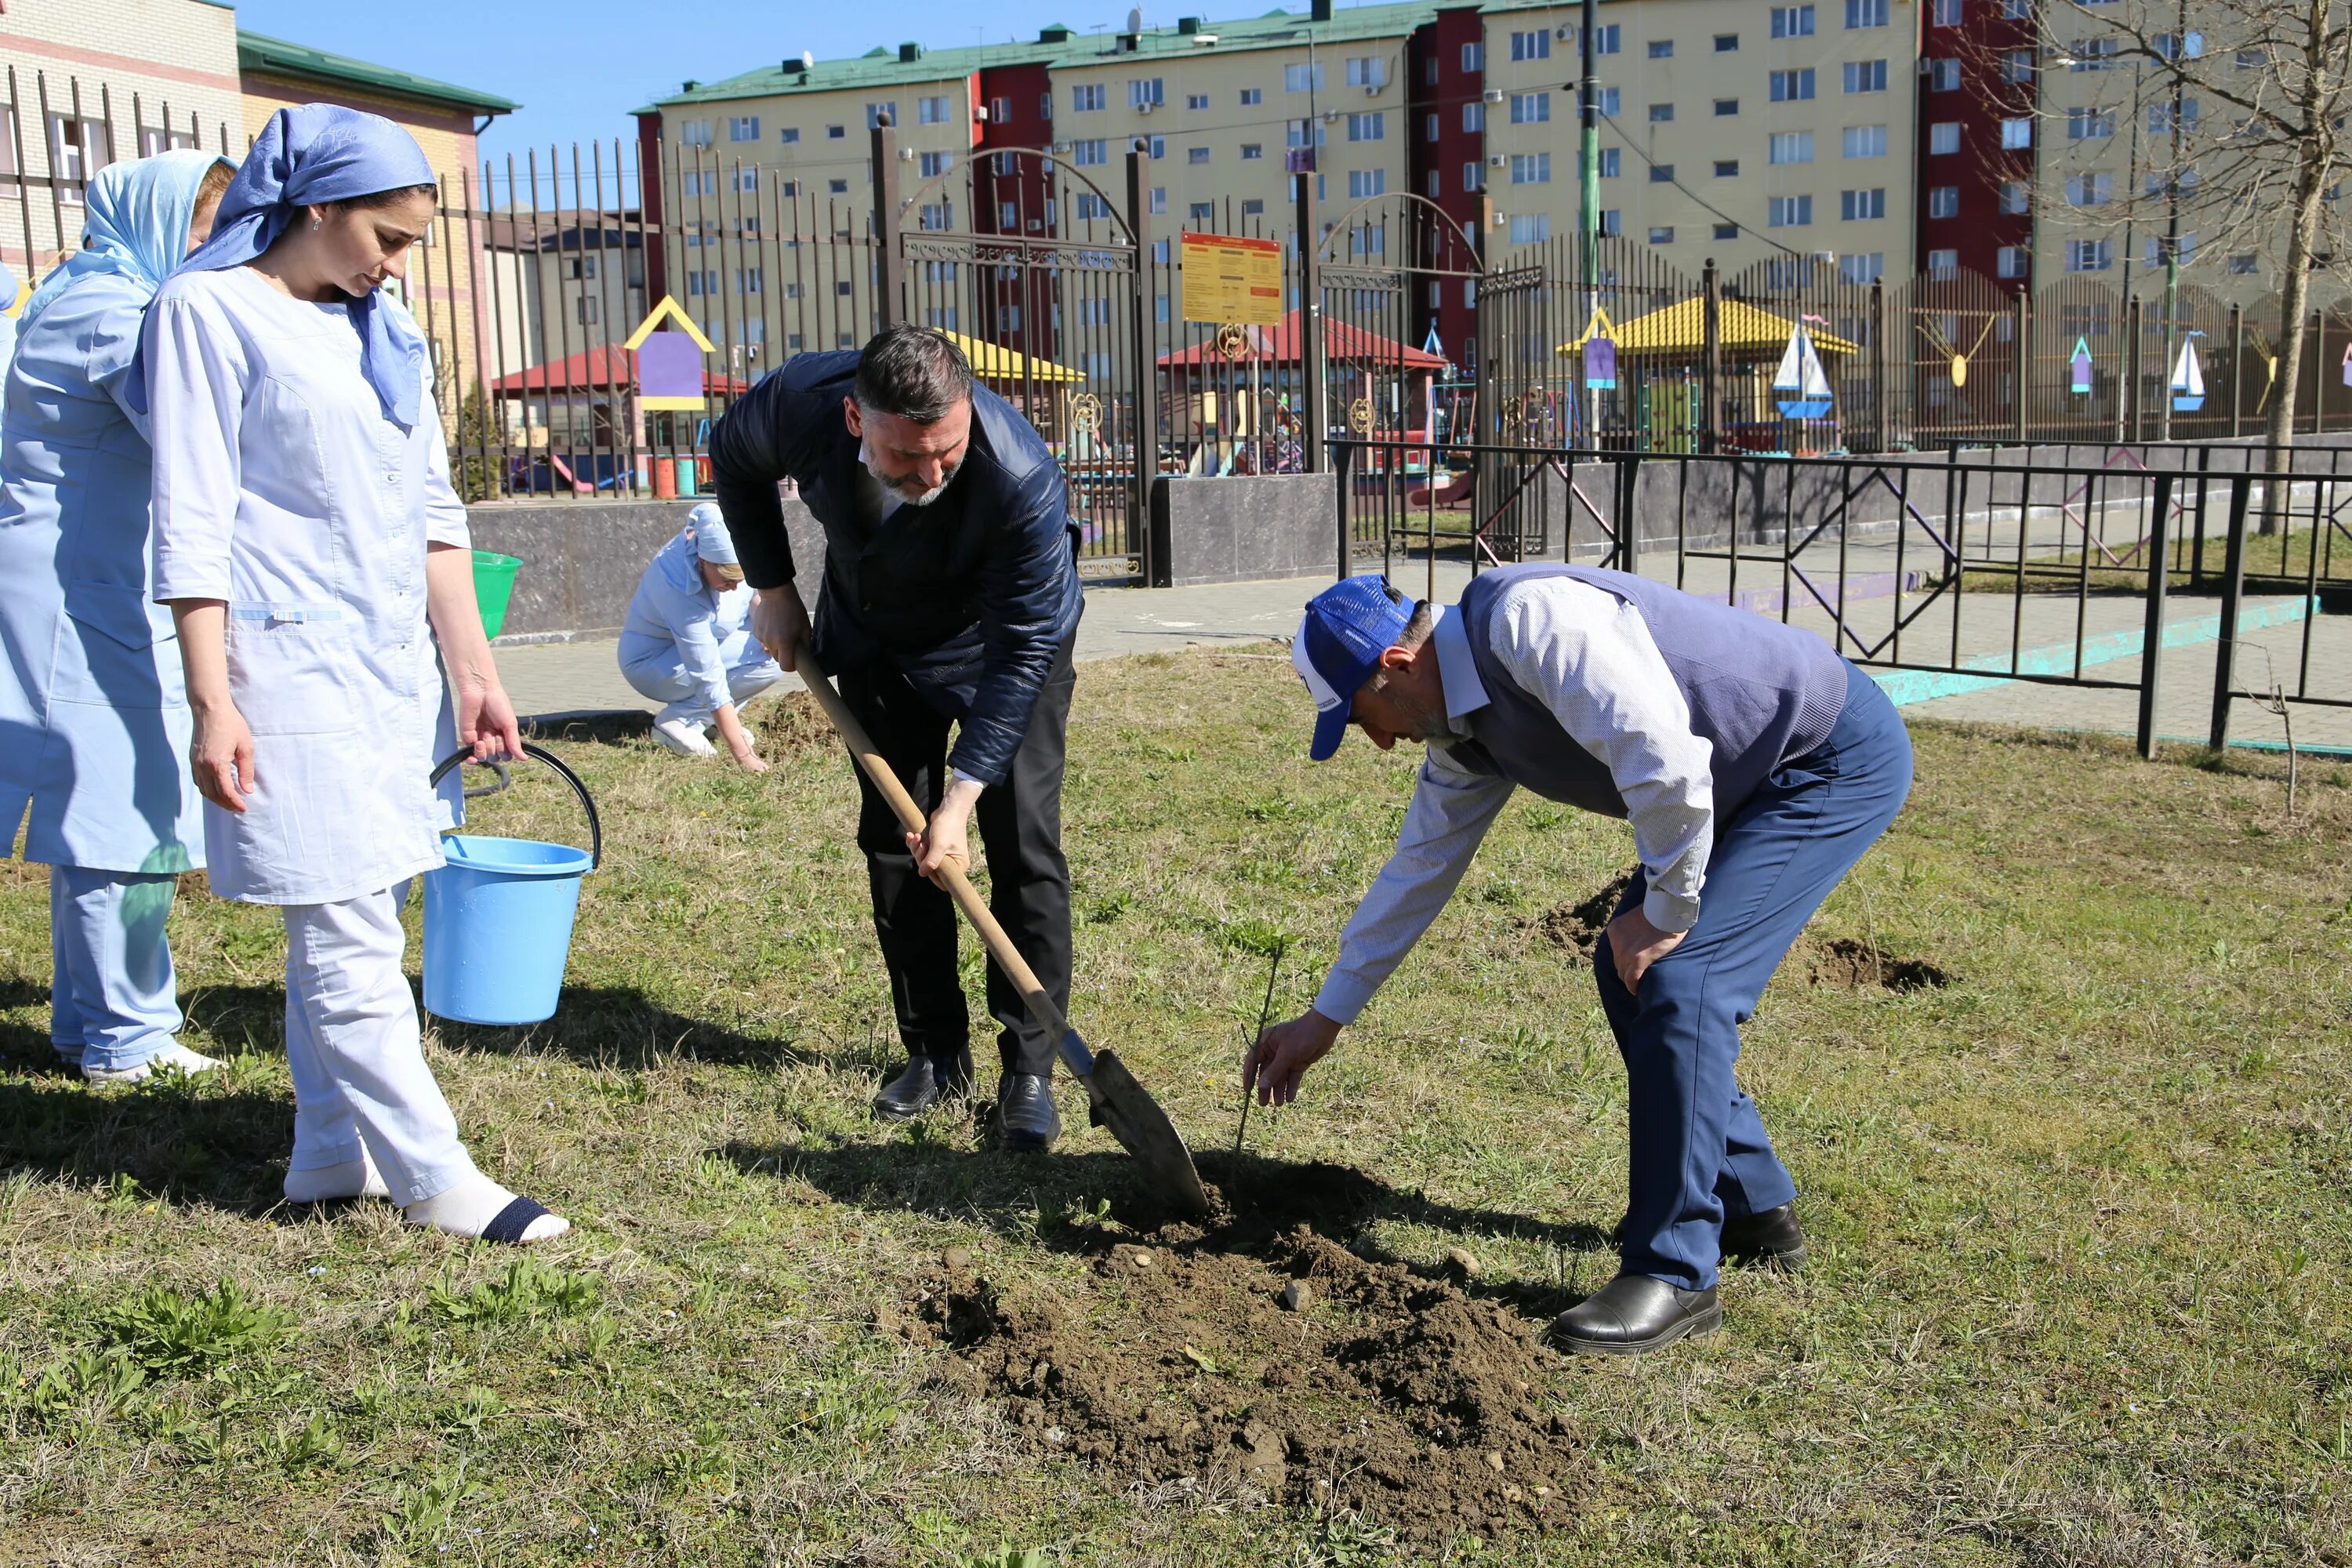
[1228, 277]
[669, 361]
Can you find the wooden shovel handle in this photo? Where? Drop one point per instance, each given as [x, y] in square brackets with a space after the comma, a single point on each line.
[967, 897]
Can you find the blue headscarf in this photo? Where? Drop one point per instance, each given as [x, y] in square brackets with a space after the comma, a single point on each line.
[135, 220]
[314, 153]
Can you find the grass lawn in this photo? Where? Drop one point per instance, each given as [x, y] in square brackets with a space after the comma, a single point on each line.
[2080, 1214]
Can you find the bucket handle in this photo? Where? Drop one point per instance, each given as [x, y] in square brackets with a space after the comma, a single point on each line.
[587, 803]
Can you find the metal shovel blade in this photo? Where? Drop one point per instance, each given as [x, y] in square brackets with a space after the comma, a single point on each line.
[1123, 1106]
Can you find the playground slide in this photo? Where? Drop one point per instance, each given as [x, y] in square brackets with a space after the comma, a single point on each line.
[1454, 492]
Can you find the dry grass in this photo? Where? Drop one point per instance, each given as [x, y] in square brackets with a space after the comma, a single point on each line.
[2081, 1250]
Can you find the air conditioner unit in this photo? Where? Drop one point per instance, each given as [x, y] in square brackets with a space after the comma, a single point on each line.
[1925, 66]
[1499, 161]
[1330, 117]
[1146, 107]
[906, 154]
[1492, 95]
[1059, 147]
[1371, 90]
[979, 113]
[1565, 32]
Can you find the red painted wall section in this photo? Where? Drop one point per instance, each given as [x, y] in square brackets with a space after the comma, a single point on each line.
[1976, 36]
[1436, 167]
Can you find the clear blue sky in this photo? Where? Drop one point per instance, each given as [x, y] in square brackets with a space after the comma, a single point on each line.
[578, 67]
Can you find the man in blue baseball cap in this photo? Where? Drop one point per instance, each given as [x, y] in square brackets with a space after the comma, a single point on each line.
[1755, 766]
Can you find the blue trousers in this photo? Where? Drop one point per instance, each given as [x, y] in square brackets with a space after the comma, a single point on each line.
[1699, 1152]
[114, 1001]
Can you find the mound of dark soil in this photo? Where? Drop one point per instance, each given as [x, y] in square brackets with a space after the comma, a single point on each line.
[1578, 926]
[1257, 1353]
[1851, 964]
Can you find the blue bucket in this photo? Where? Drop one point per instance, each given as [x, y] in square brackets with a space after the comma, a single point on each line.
[498, 916]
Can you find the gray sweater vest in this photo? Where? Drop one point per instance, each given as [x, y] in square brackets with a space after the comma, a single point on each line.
[1759, 693]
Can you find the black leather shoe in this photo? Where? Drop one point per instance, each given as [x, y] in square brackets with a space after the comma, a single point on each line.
[924, 1083]
[1025, 1117]
[1633, 1314]
[1772, 1239]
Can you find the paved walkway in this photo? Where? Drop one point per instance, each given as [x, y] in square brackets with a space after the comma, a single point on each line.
[1987, 632]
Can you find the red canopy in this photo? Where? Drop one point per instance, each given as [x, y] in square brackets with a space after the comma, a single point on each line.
[596, 370]
[1341, 340]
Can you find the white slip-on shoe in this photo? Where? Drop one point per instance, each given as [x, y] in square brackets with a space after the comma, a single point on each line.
[175, 1056]
[686, 740]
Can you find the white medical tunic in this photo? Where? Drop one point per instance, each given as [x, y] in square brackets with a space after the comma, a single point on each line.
[282, 488]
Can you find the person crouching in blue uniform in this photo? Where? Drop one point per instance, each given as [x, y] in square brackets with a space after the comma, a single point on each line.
[687, 642]
[1754, 765]
[92, 672]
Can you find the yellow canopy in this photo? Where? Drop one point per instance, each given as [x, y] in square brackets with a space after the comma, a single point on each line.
[1681, 328]
[994, 362]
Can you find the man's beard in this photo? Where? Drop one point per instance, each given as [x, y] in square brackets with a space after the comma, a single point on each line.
[1424, 722]
[898, 489]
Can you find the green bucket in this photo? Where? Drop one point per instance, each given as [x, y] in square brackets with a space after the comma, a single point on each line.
[494, 576]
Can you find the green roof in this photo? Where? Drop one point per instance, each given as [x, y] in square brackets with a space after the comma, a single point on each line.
[275, 56]
[883, 67]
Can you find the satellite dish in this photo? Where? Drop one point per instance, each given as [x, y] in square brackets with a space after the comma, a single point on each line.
[1135, 20]
[808, 59]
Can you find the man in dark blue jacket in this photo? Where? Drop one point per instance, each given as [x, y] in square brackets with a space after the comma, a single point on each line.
[951, 597]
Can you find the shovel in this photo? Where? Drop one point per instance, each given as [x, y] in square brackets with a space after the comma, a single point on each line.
[1114, 1098]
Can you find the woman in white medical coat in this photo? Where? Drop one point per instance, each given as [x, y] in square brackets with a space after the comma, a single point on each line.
[314, 554]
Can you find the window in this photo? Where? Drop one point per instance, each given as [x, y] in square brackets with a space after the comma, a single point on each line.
[1253, 152]
[1661, 113]
[1368, 71]
[934, 164]
[1473, 177]
[1943, 137]
[1535, 45]
[1362, 183]
[1727, 43]
[1865, 141]
[1726, 168]
[1252, 96]
[1254, 207]
[931, 111]
[1944, 201]
[691, 132]
[2086, 125]
[836, 187]
[1531, 168]
[2180, 45]
[790, 190]
[1087, 97]
[1944, 13]
[1428, 128]
[1861, 206]
[1045, 105]
[1000, 109]
[1613, 223]
[876, 114]
[1437, 184]
[1793, 21]
[1089, 205]
[1662, 173]
[2017, 65]
[1790, 86]
[1788, 212]
[1790, 147]
[2012, 260]
[579, 267]
[1008, 215]
[2016, 135]
[743, 128]
[1367, 127]
[1942, 76]
[1612, 162]
[153, 138]
[2093, 54]
[2090, 255]
[1943, 265]
[1864, 268]
[747, 181]
[1196, 100]
[1308, 132]
[1085, 153]
[2091, 190]
[1303, 78]
[1724, 106]
[1727, 231]
[585, 309]
[2155, 251]
[699, 281]
[1146, 92]
[1661, 48]
[1531, 108]
[2242, 266]
[937, 215]
[1607, 104]
[1662, 236]
[1864, 76]
[1530, 228]
[1866, 12]
[1157, 146]
[1474, 118]
[1473, 57]
[2016, 197]
[1605, 40]
[1159, 198]
[2159, 117]
[747, 281]
[1196, 154]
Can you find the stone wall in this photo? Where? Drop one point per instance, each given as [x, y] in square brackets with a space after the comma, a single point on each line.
[1242, 530]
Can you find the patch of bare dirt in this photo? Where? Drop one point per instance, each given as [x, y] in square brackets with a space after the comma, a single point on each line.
[1257, 1353]
[1849, 963]
[1578, 926]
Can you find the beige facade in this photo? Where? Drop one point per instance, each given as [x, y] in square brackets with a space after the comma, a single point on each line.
[1733, 130]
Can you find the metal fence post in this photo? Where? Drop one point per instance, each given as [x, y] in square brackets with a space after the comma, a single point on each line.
[1157, 567]
[1346, 556]
[2023, 328]
[1711, 364]
[2131, 400]
[2151, 659]
[1880, 393]
[2237, 370]
[1310, 324]
[890, 265]
[2233, 583]
[1629, 526]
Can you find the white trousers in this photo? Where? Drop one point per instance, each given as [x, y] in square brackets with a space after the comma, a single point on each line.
[666, 681]
[112, 1000]
[357, 1052]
